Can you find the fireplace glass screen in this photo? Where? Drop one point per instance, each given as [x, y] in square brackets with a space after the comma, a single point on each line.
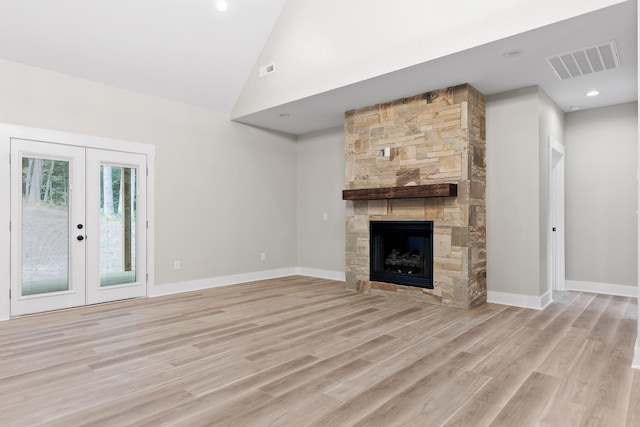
[402, 252]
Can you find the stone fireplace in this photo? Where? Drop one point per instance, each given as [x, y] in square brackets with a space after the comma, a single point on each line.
[419, 159]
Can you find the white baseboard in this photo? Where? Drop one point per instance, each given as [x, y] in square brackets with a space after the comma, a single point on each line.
[636, 355]
[235, 279]
[321, 274]
[602, 288]
[215, 282]
[518, 300]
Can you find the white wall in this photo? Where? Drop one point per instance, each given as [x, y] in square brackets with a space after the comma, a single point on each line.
[319, 46]
[321, 163]
[512, 194]
[225, 192]
[601, 195]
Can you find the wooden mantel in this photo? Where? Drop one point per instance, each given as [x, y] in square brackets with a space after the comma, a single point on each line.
[408, 192]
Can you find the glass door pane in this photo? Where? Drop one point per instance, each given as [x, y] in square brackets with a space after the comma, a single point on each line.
[45, 225]
[117, 225]
[116, 215]
[48, 242]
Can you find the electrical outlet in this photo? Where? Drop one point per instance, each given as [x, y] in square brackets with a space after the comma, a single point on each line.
[325, 216]
[263, 256]
[176, 265]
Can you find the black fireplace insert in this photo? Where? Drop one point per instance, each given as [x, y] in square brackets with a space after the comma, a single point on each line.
[401, 252]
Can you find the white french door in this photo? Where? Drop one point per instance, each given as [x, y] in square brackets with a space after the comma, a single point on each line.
[116, 259]
[47, 259]
[78, 226]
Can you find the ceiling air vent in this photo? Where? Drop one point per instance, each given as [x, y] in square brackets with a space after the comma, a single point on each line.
[585, 61]
[265, 70]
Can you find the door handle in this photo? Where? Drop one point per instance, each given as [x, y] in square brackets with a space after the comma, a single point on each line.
[80, 238]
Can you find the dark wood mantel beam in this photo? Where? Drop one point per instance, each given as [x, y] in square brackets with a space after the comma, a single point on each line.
[409, 192]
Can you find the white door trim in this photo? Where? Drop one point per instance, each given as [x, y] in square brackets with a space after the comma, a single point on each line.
[9, 131]
[557, 215]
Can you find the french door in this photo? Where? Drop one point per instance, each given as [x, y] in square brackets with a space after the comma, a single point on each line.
[78, 226]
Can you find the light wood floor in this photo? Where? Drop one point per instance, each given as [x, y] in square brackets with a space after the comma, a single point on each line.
[301, 351]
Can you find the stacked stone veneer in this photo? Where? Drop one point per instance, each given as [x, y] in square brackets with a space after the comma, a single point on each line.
[436, 137]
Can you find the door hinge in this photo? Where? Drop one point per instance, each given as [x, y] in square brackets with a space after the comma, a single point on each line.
[147, 224]
[9, 293]
[147, 277]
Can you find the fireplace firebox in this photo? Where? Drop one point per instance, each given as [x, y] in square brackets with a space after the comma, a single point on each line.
[401, 252]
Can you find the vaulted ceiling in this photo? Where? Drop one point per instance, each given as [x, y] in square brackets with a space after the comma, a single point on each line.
[189, 52]
[182, 50]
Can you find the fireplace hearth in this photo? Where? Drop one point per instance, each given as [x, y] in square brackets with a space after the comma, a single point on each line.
[402, 252]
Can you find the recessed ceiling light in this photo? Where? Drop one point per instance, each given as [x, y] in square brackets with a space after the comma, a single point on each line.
[512, 53]
[221, 5]
[593, 93]
[574, 108]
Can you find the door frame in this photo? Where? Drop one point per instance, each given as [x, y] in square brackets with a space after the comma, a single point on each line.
[8, 132]
[557, 215]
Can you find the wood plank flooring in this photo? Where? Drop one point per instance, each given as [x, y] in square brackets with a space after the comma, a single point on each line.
[299, 351]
